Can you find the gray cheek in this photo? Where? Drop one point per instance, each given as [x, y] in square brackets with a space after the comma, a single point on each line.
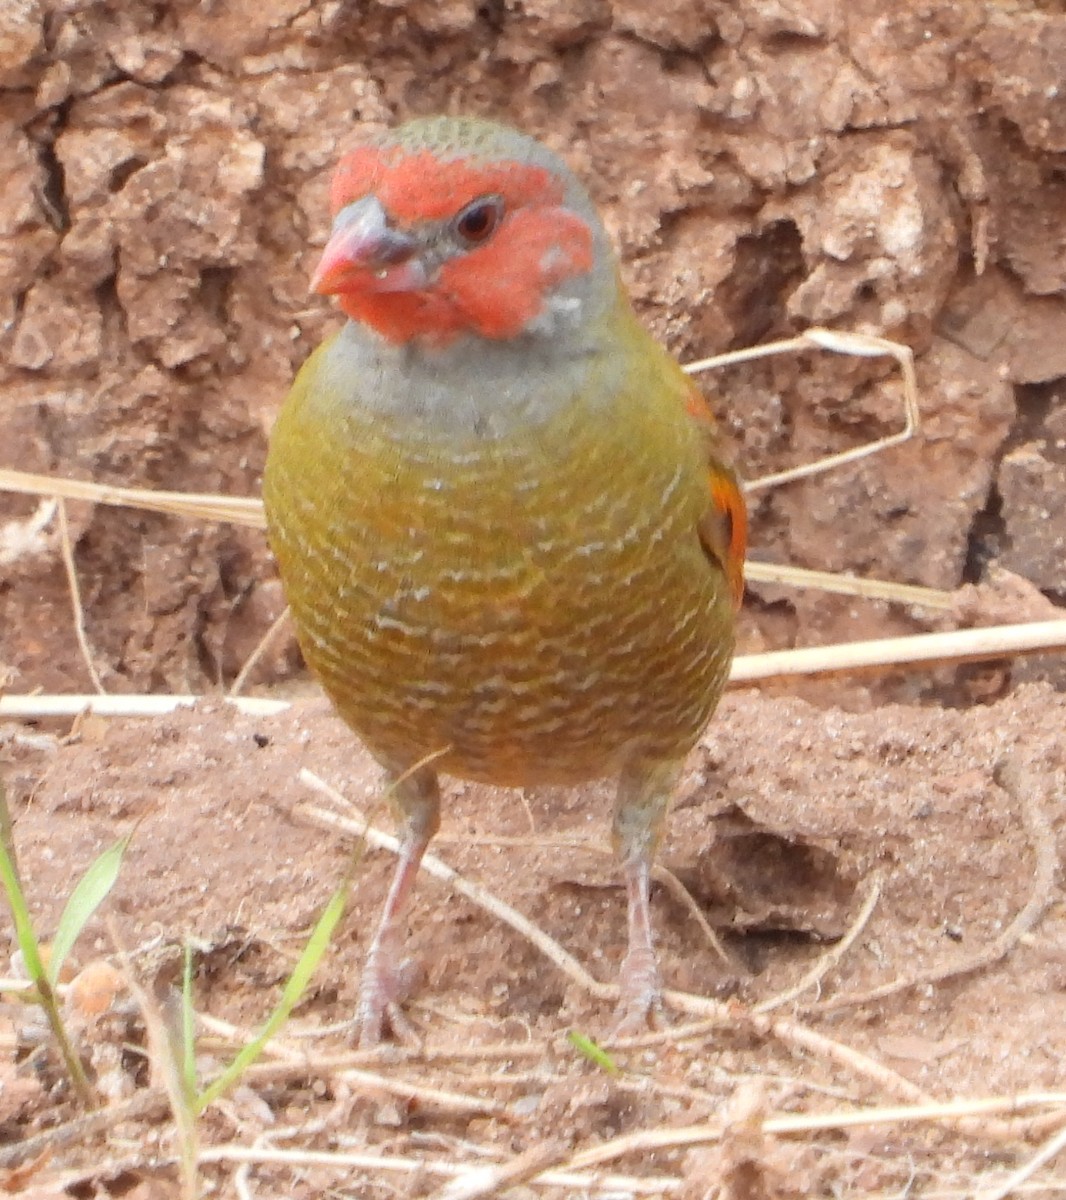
[557, 313]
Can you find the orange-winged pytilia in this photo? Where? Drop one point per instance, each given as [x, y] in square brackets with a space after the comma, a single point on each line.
[499, 508]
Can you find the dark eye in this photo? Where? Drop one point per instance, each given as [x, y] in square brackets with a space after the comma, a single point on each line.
[477, 222]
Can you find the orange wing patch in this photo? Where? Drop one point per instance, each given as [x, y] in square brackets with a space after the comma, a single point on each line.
[724, 526]
[729, 514]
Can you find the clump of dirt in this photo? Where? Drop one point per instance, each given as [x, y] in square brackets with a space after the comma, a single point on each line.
[761, 166]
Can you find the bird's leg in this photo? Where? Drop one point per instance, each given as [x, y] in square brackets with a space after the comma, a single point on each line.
[644, 792]
[387, 978]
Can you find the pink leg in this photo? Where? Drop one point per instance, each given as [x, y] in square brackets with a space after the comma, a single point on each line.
[644, 793]
[387, 978]
[639, 977]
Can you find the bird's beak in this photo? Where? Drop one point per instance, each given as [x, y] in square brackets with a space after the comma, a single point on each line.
[366, 254]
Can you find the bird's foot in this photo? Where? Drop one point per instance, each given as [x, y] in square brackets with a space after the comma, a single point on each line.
[640, 1004]
[386, 984]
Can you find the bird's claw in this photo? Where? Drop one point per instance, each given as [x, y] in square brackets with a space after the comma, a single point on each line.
[383, 990]
[640, 1004]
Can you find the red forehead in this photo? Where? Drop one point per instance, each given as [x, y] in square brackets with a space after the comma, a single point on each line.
[419, 186]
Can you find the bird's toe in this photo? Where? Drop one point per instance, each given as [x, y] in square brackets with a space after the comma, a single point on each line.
[640, 1003]
[385, 986]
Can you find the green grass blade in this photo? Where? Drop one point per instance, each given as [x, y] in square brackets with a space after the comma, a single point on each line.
[24, 933]
[86, 898]
[7, 833]
[31, 957]
[294, 989]
[188, 1033]
[587, 1048]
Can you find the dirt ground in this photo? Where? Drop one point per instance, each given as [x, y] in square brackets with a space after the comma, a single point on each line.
[763, 165]
[787, 817]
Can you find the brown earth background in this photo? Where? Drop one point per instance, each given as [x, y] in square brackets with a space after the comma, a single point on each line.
[763, 165]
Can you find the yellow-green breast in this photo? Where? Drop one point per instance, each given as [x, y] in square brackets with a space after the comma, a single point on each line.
[528, 595]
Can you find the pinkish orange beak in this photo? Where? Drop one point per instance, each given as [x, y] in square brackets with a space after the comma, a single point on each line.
[366, 254]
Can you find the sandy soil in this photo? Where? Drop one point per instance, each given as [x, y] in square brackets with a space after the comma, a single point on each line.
[788, 816]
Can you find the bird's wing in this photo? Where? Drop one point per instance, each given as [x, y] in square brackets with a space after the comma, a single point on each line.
[723, 527]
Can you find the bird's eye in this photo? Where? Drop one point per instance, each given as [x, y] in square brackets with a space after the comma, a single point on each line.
[477, 222]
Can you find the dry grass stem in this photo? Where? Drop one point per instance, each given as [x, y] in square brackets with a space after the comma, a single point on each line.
[1027, 1170]
[263, 645]
[234, 1037]
[77, 609]
[800, 1037]
[963, 645]
[590, 1184]
[164, 1062]
[848, 585]
[112, 705]
[147, 1104]
[830, 959]
[394, 1056]
[65, 1183]
[526, 841]
[684, 897]
[234, 510]
[673, 1035]
[455, 1103]
[376, 1083]
[857, 344]
[1021, 783]
[646, 1140]
[490, 1180]
[17, 987]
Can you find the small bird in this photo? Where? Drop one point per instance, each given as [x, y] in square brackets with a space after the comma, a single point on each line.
[511, 545]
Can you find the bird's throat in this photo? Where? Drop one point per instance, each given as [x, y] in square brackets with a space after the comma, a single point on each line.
[470, 388]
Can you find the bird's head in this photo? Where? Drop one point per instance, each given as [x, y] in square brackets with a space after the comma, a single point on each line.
[448, 227]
